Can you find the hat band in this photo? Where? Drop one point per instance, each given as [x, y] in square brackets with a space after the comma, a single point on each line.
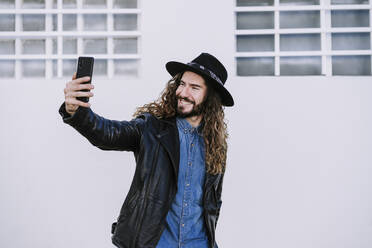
[211, 74]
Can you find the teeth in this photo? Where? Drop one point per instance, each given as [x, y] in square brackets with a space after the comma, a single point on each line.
[184, 102]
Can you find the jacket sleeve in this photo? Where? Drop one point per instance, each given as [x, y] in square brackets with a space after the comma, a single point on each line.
[219, 195]
[104, 133]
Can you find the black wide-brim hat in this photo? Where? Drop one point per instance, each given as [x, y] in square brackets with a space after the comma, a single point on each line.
[211, 69]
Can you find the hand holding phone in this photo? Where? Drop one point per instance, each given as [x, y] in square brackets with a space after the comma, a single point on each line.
[77, 91]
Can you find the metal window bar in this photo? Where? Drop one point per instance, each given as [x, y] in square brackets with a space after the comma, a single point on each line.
[49, 57]
[325, 30]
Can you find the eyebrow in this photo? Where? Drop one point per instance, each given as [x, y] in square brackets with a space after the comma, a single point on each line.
[195, 85]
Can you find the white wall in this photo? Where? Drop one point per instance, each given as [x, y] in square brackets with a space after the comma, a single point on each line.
[299, 161]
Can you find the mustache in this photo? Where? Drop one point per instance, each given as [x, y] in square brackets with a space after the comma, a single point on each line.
[186, 99]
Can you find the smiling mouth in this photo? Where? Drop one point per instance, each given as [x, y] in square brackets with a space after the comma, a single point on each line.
[185, 101]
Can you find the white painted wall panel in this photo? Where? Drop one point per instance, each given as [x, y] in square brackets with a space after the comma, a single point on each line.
[299, 161]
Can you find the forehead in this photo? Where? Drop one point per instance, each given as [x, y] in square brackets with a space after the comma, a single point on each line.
[193, 78]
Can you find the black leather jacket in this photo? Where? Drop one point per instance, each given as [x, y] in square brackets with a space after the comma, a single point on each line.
[155, 145]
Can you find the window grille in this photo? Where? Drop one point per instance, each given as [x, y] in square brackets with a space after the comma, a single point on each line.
[303, 37]
[43, 38]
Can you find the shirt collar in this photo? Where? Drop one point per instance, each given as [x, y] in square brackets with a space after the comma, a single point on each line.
[185, 126]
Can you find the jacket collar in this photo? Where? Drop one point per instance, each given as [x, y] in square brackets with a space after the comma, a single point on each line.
[168, 137]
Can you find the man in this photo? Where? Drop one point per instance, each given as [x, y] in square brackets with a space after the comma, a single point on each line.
[179, 144]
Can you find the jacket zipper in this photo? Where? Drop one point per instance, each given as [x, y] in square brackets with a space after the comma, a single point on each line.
[139, 223]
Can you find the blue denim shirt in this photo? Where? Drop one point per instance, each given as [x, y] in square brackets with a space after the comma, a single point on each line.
[184, 221]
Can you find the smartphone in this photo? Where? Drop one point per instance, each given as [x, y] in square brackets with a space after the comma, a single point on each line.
[85, 68]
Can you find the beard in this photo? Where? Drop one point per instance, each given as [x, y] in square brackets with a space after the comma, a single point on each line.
[195, 111]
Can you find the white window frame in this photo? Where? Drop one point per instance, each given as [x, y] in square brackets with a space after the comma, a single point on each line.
[325, 31]
[48, 34]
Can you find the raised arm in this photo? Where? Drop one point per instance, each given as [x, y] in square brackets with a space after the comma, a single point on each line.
[103, 133]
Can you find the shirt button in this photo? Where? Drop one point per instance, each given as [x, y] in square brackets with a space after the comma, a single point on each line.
[183, 224]
[187, 184]
[192, 144]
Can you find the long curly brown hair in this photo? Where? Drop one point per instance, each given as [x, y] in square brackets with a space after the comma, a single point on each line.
[214, 128]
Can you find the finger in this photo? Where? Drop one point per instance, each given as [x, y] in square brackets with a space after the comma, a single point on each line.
[77, 102]
[75, 94]
[78, 87]
[80, 94]
[80, 80]
[74, 76]
[85, 86]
